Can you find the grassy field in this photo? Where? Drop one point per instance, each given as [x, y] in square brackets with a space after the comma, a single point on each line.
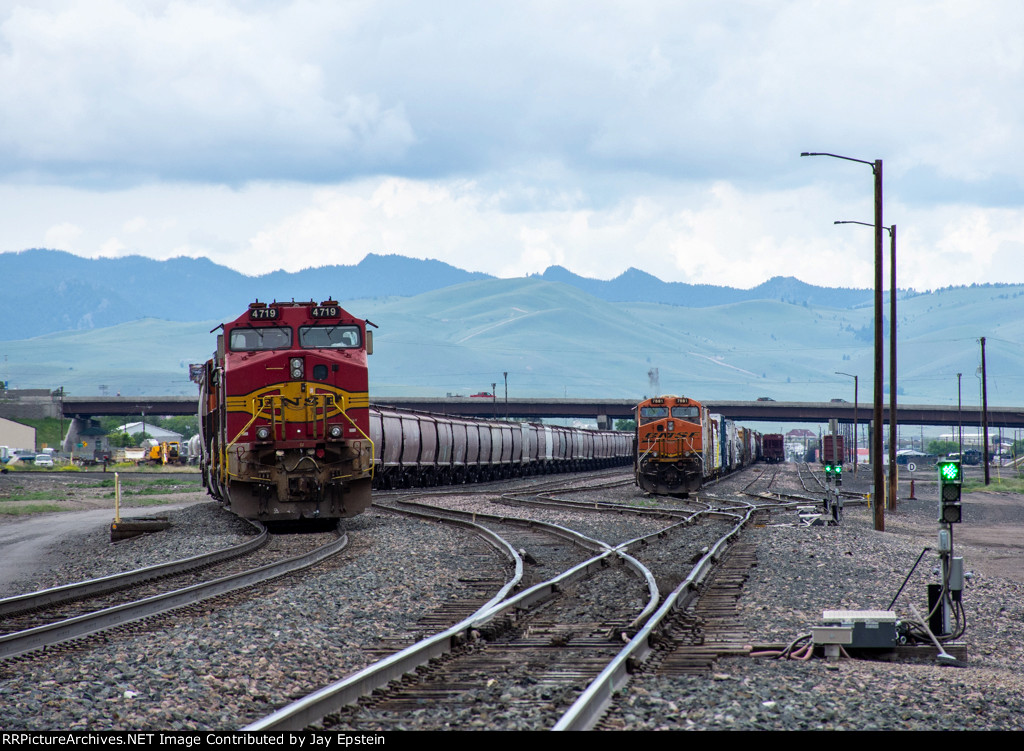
[1001, 485]
[31, 508]
[100, 489]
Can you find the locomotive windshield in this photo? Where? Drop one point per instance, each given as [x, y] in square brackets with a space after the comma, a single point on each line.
[329, 337]
[261, 338]
[652, 413]
[687, 413]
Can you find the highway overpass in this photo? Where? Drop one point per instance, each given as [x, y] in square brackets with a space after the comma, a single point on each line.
[605, 410]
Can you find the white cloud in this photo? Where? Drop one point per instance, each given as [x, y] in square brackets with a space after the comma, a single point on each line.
[726, 234]
[63, 236]
[135, 224]
[195, 90]
[509, 136]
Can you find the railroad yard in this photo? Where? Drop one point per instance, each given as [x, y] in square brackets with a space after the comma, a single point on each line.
[231, 661]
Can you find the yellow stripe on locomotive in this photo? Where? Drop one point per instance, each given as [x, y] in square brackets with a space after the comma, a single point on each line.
[297, 396]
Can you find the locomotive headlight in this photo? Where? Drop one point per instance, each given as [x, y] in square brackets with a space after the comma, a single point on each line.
[297, 367]
[335, 431]
[263, 433]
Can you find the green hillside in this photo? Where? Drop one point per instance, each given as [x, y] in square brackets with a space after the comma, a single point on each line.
[555, 340]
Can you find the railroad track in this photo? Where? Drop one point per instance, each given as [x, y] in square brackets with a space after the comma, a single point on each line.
[524, 662]
[43, 619]
[36, 602]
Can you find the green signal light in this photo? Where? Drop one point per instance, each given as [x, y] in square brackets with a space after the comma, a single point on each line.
[950, 472]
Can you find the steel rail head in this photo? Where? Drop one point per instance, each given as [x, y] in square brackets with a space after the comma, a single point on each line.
[595, 699]
[654, 596]
[491, 537]
[571, 535]
[315, 706]
[78, 590]
[90, 623]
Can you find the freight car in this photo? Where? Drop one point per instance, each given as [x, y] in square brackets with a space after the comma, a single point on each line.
[773, 448]
[680, 444]
[287, 431]
[418, 449]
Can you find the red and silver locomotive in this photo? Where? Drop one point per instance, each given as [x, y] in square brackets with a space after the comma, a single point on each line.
[284, 413]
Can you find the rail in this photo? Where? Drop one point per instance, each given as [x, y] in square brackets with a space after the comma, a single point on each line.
[596, 698]
[92, 587]
[314, 707]
[73, 628]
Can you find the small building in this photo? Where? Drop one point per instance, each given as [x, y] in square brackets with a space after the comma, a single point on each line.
[17, 436]
[158, 434]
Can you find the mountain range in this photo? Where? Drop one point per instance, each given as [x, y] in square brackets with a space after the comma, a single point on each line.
[57, 291]
[132, 325]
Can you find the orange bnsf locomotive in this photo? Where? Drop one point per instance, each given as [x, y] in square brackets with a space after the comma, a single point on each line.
[680, 444]
[284, 413]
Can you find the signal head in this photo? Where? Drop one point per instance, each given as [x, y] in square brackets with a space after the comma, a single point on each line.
[950, 471]
[950, 481]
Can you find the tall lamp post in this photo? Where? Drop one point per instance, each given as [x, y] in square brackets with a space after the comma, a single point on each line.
[855, 456]
[893, 424]
[959, 417]
[984, 409]
[876, 442]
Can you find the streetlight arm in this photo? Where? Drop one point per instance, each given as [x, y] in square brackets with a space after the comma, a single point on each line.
[866, 224]
[837, 156]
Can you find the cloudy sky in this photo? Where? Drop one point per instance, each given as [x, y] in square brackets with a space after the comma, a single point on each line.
[509, 136]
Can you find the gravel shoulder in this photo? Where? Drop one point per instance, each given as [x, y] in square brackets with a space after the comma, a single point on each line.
[392, 578]
[802, 571]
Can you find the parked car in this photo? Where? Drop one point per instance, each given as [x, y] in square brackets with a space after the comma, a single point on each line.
[44, 460]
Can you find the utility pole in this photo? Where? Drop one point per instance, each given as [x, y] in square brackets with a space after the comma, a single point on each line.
[959, 415]
[893, 424]
[984, 408]
[505, 373]
[856, 381]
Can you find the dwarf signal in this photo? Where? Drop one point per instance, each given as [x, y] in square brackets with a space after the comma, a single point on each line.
[951, 481]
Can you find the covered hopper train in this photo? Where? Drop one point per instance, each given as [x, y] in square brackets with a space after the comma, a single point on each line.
[421, 449]
[287, 430]
[680, 444]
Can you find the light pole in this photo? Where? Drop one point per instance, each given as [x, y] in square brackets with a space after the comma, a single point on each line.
[876, 442]
[984, 409]
[855, 455]
[959, 416]
[893, 424]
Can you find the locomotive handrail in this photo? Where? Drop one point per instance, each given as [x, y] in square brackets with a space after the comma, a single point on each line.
[373, 447]
[255, 413]
[267, 402]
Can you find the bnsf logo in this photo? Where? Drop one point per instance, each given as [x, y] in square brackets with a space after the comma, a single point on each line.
[675, 436]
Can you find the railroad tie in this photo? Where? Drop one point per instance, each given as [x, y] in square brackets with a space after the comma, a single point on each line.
[711, 628]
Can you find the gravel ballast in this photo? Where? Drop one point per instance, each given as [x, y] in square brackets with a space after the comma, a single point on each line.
[803, 571]
[230, 665]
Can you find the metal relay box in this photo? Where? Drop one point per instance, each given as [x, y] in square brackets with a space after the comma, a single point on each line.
[860, 629]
